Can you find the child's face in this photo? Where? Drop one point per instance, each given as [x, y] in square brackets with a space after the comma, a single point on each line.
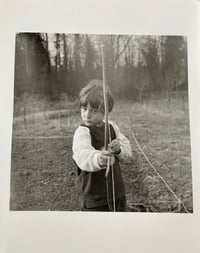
[91, 116]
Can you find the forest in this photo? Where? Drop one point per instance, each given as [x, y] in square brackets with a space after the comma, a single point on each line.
[137, 67]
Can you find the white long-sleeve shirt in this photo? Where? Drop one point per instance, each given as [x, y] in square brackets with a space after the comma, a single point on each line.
[86, 156]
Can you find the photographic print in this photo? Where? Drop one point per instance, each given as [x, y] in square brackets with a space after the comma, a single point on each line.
[101, 123]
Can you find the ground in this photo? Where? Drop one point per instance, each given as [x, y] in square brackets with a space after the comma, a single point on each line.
[43, 173]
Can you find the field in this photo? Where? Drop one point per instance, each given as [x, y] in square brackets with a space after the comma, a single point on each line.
[43, 173]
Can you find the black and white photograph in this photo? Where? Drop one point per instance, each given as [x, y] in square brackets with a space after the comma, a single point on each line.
[101, 123]
[99, 126]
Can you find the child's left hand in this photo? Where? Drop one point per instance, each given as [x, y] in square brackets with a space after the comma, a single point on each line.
[115, 146]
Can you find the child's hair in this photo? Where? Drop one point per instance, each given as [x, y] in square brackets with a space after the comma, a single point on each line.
[93, 94]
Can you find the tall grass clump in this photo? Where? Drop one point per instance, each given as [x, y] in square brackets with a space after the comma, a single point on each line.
[174, 104]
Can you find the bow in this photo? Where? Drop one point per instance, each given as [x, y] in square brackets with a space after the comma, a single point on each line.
[107, 136]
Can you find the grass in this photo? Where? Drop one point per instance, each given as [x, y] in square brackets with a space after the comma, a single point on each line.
[42, 176]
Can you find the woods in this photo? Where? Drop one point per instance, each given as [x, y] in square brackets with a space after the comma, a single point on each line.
[137, 67]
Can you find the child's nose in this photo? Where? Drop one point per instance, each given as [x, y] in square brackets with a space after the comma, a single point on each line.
[88, 113]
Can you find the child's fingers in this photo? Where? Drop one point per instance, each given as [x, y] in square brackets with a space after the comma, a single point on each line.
[104, 157]
[115, 145]
[106, 153]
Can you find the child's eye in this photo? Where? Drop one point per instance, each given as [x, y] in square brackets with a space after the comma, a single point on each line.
[94, 110]
[84, 108]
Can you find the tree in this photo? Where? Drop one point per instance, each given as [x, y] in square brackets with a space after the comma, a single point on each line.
[31, 64]
[151, 57]
[174, 63]
[77, 65]
[89, 62]
[115, 48]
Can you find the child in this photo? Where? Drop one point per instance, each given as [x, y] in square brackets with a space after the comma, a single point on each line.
[94, 188]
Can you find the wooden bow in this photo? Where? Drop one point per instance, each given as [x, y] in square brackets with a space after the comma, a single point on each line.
[106, 136]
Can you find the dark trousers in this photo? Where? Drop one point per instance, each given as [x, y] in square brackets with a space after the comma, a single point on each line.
[120, 206]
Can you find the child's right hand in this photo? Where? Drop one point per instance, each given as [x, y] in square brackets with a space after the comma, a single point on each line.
[103, 157]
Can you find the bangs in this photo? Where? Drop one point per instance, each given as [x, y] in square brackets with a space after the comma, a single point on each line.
[95, 99]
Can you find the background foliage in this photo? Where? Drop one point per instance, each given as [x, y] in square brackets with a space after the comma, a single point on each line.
[136, 66]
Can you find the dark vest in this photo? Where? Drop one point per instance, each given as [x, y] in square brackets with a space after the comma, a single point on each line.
[93, 187]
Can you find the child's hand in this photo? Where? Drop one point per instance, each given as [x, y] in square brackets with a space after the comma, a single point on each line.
[103, 158]
[115, 146]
